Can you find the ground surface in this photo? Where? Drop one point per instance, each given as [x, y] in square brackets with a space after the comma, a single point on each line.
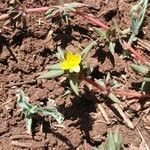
[34, 48]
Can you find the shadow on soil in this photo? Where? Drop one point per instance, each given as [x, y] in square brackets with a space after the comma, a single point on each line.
[80, 110]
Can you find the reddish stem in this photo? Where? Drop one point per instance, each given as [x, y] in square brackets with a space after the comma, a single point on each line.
[138, 56]
[100, 89]
[102, 25]
[92, 20]
[117, 92]
[86, 16]
[37, 10]
[130, 94]
[43, 9]
[30, 10]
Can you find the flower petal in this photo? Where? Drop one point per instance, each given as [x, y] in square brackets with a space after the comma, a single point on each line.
[75, 69]
[77, 59]
[71, 62]
[69, 56]
[64, 65]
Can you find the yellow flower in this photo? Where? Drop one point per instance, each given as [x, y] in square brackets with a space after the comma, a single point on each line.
[71, 62]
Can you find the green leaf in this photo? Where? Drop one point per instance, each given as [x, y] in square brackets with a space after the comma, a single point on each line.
[85, 51]
[60, 54]
[29, 110]
[115, 84]
[76, 5]
[67, 92]
[110, 143]
[69, 8]
[147, 79]
[21, 101]
[112, 48]
[126, 31]
[29, 125]
[73, 80]
[34, 109]
[51, 74]
[145, 87]
[53, 67]
[99, 32]
[118, 140]
[137, 15]
[100, 83]
[52, 13]
[54, 113]
[114, 98]
[66, 19]
[101, 147]
[138, 20]
[140, 69]
[107, 78]
[114, 142]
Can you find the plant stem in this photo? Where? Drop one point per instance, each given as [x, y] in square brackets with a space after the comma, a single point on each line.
[92, 20]
[37, 10]
[116, 92]
[85, 16]
[138, 56]
[44, 9]
[130, 94]
[102, 25]
[100, 89]
[131, 39]
[30, 11]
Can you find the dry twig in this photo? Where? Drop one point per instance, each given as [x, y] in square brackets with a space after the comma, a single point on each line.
[125, 118]
[103, 113]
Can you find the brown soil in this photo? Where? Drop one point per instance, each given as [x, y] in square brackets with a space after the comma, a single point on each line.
[24, 54]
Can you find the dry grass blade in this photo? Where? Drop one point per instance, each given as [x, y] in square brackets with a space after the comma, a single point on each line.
[143, 144]
[34, 145]
[21, 144]
[123, 115]
[144, 44]
[7, 102]
[103, 113]
[20, 83]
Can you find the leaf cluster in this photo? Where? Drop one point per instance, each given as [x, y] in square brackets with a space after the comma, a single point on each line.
[55, 70]
[62, 12]
[31, 110]
[114, 142]
[108, 38]
[137, 14]
[145, 72]
[107, 84]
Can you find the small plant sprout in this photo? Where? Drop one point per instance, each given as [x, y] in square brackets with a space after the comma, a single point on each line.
[106, 87]
[114, 142]
[145, 72]
[62, 12]
[31, 111]
[71, 64]
[137, 15]
[109, 85]
[16, 17]
[109, 37]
